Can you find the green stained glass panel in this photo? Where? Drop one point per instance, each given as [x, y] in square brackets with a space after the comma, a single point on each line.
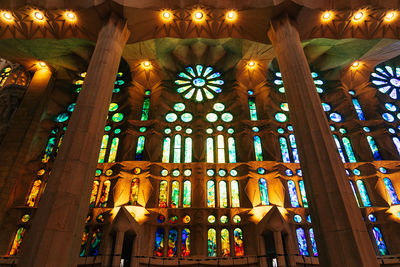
[113, 149]
[117, 117]
[175, 194]
[187, 194]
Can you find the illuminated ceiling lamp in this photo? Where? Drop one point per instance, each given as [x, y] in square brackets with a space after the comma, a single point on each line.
[38, 16]
[359, 16]
[251, 64]
[146, 64]
[356, 65]
[7, 16]
[390, 16]
[327, 16]
[231, 16]
[166, 15]
[70, 16]
[42, 64]
[198, 15]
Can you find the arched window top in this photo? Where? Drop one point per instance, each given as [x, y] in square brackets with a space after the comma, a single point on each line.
[391, 191]
[223, 194]
[225, 245]
[380, 243]
[294, 201]
[364, 194]
[212, 242]
[211, 194]
[185, 251]
[239, 242]
[159, 242]
[162, 197]
[302, 242]
[235, 194]
[263, 191]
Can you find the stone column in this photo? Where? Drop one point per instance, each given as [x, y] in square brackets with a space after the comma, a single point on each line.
[54, 237]
[279, 249]
[119, 240]
[341, 234]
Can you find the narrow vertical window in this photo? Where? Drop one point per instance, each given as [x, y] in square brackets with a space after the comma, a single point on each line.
[84, 240]
[103, 148]
[177, 148]
[313, 243]
[354, 192]
[339, 147]
[232, 150]
[349, 149]
[303, 194]
[380, 243]
[49, 149]
[166, 150]
[221, 148]
[159, 242]
[140, 148]
[225, 246]
[93, 195]
[284, 149]
[95, 242]
[364, 194]
[293, 145]
[33, 194]
[302, 242]
[223, 195]
[187, 194]
[253, 109]
[162, 196]
[258, 148]
[210, 150]
[235, 194]
[396, 142]
[175, 194]
[185, 249]
[211, 194]
[172, 239]
[358, 109]
[113, 149]
[239, 242]
[212, 242]
[145, 110]
[294, 201]
[133, 197]
[374, 148]
[391, 191]
[262, 183]
[188, 150]
[105, 193]
[17, 241]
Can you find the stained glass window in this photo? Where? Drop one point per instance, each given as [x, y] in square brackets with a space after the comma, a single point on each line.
[140, 148]
[386, 81]
[93, 195]
[188, 150]
[293, 145]
[212, 242]
[349, 149]
[354, 192]
[172, 239]
[133, 197]
[262, 183]
[235, 194]
[159, 242]
[239, 242]
[232, 150]
[162, 197]
[16, 244]
[364, 194]
[175, 194]
[105, 192]
[210, 150]
[34, 193]
[284, 149]
[113, 149]
[374, 148]
[294, 201]
[225, 246]
[379, 241]
[49, 149]
[339, 147]
[95, 242]
[145, 110]
[103, 148]
[221, 149]
[396, 142]
[302, 242]
[223, 195]
[211, 194]
[391, 191]
[177, 148]
[253, 110]
[187, 194]
[166, 149]
[313, 243]
[185, 242]
[258, 148]
[358, 109]
[84, 240]
[303, 194]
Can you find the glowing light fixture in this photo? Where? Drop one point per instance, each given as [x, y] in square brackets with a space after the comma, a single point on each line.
[391, 15]
[231, 16]
[359, 16]
[38, 16]
[166, 15]
[356, 65]
[42, 64]
[251, 64]
[198, 16]
[7, 16]
[327, 16]
[146, 64]
[70, 16]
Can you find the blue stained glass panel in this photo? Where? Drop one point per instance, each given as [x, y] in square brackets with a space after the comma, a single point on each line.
[313, 243]
[258, 148]
[396, 142]
[159, 242]
[172, 239]
[354, 192]
[303, 194]
[140, 148]
[339, 147]
[358, 109]
[349, 149]
[364, 194]
[374, 148]
[294, 201]
[391, 191]
[379, 241]
[263, 191]
[302, 242]
[253, 110]
[284, 149]
[293, 145]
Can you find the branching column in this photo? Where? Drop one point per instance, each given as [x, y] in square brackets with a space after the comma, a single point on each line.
[54, 238]
[342, 237]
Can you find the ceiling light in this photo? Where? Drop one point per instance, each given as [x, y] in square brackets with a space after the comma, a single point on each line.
[70, 16]
[231, 16]
[39, 16]
[198, 15]
[356, 65]
[166, 15]
[391, 15]
[146, 64]
[251, 64]
[327, 15]
[7, 16]
[42, 64]
[358, 16]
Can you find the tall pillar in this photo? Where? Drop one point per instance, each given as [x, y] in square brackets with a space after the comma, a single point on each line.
[342, 237]
[55, 235]
[119, 240]
[279, 249]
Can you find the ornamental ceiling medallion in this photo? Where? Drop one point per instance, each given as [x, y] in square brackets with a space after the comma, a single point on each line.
[199, 83]
[387, 80]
